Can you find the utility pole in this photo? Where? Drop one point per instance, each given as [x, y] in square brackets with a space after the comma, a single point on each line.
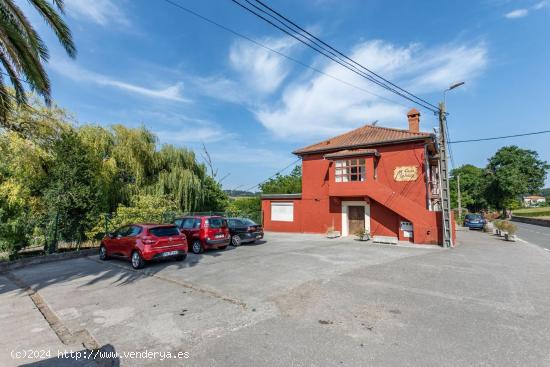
[458, 198]
[444, 176]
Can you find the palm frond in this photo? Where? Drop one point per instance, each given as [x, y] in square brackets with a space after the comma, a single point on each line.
[24, 58]
[56, 23]
[20, 21]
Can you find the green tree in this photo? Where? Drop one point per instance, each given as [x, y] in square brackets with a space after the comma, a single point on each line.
[23, 51]
[71, 194]
[284, 184]
[472, 187]
[512, 172]
[250, 207]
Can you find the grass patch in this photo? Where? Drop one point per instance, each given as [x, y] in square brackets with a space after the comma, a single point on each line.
[533, 212]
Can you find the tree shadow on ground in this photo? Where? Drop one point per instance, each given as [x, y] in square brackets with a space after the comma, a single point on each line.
[118, 272]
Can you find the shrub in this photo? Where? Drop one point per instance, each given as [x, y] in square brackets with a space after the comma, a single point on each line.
[511, 228]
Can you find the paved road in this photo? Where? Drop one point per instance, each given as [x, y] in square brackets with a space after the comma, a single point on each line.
[538, 235]
[296, 300]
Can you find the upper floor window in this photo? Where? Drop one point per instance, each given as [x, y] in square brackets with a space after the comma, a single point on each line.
[350, 170]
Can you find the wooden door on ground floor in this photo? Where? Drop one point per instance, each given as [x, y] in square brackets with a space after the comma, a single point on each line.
[356, 219]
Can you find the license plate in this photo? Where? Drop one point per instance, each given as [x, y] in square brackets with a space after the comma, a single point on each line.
[220, 236]
[170, 253]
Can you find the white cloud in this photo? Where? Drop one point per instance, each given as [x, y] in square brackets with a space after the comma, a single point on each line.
[103, 12]
[518, 13]
[222, 88]
[236, 151]
[73, 71]
[261, 69]
[178, 128]
[540, 5]
[319, 106]
[523, 12]
[183, 129]
[438, 67]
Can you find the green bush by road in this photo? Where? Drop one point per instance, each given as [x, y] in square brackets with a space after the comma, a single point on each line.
[533, 212]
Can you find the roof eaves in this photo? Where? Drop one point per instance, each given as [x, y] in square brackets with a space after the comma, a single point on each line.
[300, 152]
[281, 196]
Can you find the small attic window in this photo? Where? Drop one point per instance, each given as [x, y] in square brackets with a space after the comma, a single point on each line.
[350, 170]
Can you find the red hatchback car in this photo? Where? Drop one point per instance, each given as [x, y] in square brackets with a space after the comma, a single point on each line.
[205, 232]
[144, 242]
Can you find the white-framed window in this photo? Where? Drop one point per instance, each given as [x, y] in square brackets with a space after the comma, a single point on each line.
[282, 211]
[349, 170]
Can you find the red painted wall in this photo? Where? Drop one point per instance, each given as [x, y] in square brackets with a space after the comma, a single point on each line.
[319, 209]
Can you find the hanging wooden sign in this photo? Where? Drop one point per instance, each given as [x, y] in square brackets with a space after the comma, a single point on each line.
[405, 173]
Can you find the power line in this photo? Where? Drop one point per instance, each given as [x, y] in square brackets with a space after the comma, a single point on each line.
[259, 44]
[337, 60]
[341, 54]
[500, 137]
[330, 54]
[278, 172]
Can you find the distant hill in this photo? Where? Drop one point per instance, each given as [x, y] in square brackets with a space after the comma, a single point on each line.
[240, 193]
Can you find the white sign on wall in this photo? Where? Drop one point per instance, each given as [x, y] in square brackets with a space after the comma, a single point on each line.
[406, 226]
[282, 212]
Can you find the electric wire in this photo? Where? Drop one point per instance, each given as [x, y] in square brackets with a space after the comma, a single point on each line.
[290, 58]
[346, 65]
[340, 53]
[500, 137]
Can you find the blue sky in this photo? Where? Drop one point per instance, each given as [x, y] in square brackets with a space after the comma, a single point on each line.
[147, 62]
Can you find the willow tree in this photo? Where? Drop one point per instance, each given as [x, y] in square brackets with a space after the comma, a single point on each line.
[180, 177]
[23, 52]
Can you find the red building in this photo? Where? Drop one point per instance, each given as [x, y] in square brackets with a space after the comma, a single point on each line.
[383, 180]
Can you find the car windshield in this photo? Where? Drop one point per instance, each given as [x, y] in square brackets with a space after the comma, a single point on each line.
[187, 223]
[473, 216]
[247, 222]
[164, 231]
[216, 222]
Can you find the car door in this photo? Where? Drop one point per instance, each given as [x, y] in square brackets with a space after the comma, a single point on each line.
[128, 241]
[188, 228]
[116, 240]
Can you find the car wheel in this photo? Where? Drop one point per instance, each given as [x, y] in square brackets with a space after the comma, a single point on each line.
[196, 247]
[103, 253]
[181, 257]
[137, 260]
[236, 240]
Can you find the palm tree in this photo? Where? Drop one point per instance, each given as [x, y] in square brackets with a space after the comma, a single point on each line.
[22, 51]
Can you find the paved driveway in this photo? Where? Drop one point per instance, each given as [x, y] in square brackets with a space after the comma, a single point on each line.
[297, 300]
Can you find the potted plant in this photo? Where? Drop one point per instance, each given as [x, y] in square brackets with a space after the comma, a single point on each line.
[511, 230]
[362, 235]
[497, 224]
[488, 227]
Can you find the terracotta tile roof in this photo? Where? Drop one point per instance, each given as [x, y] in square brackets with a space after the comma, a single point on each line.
[364, 136]
[352, 153]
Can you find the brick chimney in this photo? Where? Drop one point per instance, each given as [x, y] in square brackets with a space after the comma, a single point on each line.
[414, 120]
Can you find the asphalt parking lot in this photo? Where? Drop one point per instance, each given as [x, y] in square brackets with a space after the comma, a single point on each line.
[297, 300]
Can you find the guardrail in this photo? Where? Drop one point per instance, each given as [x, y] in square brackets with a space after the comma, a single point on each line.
[530, 220]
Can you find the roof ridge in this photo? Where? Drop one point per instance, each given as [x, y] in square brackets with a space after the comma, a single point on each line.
[359, 129]
[396, 129]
